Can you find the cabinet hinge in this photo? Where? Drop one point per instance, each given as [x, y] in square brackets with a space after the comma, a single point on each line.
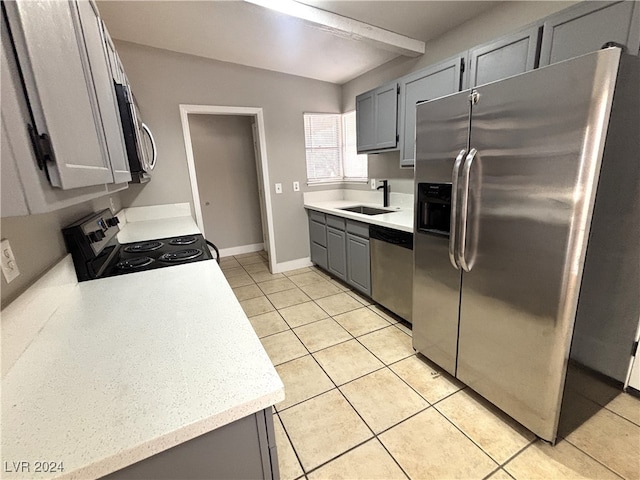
[634, 349]
[42, 149]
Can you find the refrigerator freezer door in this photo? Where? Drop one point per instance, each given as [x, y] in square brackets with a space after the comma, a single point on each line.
[442, 130]
[540, 138]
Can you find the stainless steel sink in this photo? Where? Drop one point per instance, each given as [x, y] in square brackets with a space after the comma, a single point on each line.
[366, 210]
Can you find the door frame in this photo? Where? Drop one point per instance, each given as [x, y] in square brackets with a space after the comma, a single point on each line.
[262, 163]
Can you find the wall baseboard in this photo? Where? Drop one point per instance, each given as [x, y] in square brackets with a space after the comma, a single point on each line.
[292, 265]
[227, 252]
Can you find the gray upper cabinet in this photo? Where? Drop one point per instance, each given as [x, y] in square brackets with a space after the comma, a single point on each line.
[105, 94]
[365, 122]
[25, 189]
[504, 57]
[63, 62]
[587, 26]
[435, 81]
[386, 103]
[377, 119]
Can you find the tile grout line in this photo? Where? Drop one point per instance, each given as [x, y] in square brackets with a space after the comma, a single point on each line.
[512, 457]
[385, 365]
[352, 407]
[593, 458]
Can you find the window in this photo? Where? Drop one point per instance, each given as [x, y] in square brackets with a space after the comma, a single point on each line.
[330, 142]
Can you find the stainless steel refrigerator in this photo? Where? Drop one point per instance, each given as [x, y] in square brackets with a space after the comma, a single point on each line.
[526, 245]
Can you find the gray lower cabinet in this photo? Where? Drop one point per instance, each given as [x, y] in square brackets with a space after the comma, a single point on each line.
[341, 247]
[587, 26]
[337, 252]
[318, 239]
[243, 449]
[435, 81]
[505, 57]
[358, 263]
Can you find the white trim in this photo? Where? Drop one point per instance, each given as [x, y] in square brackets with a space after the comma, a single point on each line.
[258, 114]
[228, 252]
[293, 265]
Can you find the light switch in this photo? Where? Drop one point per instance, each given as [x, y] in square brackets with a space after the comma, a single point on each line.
[373, 183]
[278, 188]
[9, 265]
[296, 186]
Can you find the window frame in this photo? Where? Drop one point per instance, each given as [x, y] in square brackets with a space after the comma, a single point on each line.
[342, 149]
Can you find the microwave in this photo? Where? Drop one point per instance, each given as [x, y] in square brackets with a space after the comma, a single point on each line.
[139, 142]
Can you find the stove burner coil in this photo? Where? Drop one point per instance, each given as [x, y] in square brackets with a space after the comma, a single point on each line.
[134, 263]
[181, 255]
[183, 240]
[143, 247]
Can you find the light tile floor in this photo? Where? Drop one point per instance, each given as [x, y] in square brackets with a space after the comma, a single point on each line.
[361, 404]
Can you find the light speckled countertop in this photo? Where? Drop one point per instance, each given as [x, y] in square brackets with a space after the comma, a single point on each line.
[126, 367]
[400, 219]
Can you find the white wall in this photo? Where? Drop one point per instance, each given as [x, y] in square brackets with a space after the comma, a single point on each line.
[163, 80]
[38, 244]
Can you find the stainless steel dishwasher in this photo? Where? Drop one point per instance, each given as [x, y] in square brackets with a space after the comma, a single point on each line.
[392, 269]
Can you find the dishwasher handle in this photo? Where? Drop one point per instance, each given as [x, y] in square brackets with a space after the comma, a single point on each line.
[389, 235]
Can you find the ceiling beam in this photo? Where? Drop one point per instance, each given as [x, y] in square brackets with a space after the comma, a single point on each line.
[347, 27]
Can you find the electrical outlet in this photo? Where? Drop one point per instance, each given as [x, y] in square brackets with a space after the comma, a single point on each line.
[296, 186]
[112, 205]
[373, 183]
[278, 188]
[9, 265]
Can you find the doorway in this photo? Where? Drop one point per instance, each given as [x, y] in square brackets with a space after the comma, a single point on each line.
[214, 201]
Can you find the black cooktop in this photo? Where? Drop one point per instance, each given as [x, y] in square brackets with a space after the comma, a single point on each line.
[93, 244]
[152, 254]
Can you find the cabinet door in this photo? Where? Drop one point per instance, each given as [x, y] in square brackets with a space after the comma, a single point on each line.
[358, 263]
[48, 43]
[503, 58]
[104, 91]
[587, 26]
[365, 122]
[432, 82]
[386, 116]
[337, 253]
[319, 255]
[25, 190]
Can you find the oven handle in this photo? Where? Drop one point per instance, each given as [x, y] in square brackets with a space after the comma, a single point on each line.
[154, 155]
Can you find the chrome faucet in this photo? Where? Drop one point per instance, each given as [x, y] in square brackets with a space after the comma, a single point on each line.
[385, 192]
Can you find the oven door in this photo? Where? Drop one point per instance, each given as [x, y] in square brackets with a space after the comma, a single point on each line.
[139, 142]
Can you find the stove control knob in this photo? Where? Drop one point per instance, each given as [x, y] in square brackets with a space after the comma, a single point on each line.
[113, 221]
[96, 236]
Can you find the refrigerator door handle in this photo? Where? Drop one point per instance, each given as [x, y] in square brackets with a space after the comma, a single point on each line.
[462, 241]
[454, 208]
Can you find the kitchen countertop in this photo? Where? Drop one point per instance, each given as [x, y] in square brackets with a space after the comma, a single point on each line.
[128, 366]
[400, 219]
